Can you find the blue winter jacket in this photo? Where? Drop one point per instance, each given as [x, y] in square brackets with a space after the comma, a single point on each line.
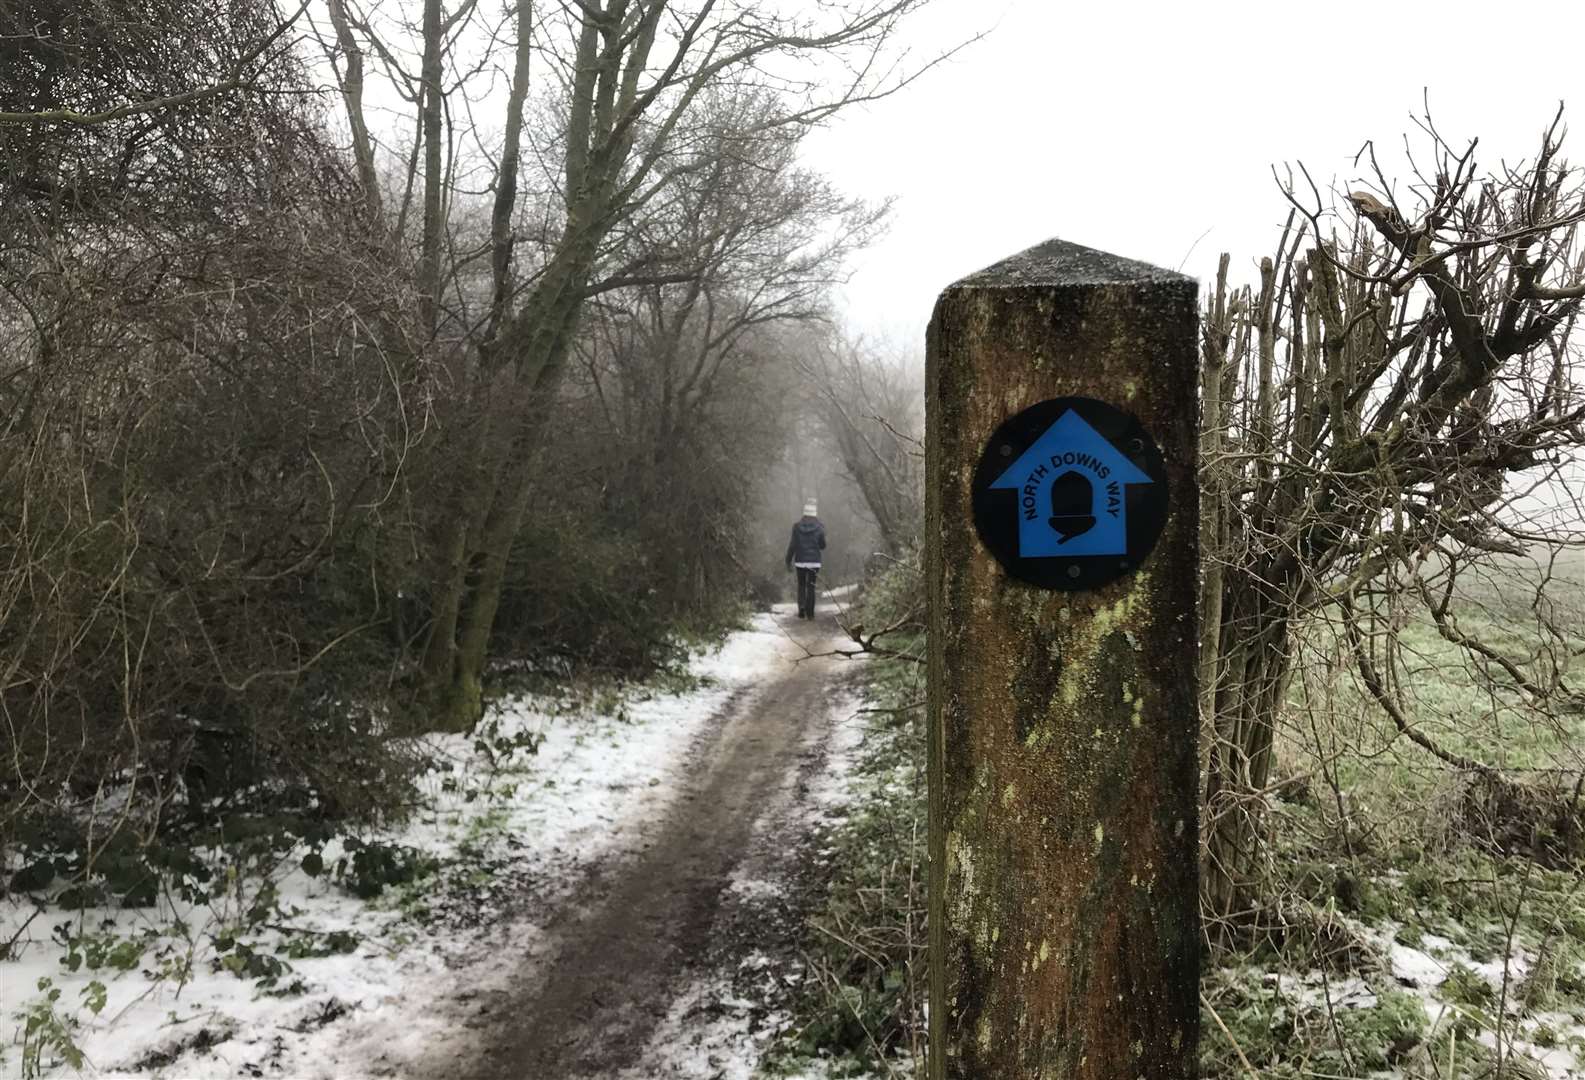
[808, 540]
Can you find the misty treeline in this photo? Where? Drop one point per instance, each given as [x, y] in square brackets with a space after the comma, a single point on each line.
[346, 349]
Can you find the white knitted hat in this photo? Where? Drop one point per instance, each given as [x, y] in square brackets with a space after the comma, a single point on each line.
[809, 509]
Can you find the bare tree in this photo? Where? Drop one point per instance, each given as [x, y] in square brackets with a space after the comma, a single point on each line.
[872, 409]
[682, 370]
[624, 98]
[1381, 411]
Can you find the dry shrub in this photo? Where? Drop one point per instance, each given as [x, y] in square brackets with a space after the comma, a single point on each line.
[1542, 820]
[207, 391]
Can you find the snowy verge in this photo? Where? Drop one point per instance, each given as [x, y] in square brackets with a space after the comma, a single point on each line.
[1462, 998]
[279, 971]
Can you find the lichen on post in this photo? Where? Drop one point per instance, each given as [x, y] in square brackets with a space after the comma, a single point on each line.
[1064, 931]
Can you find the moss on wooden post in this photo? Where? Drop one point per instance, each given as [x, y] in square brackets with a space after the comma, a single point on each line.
[1064, 929]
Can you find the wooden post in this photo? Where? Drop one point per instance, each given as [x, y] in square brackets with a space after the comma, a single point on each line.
[1064, 926]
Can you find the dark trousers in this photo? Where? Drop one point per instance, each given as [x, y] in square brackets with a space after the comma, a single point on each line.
[806, 591]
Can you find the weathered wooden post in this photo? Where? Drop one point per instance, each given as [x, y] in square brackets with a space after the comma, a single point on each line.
[1061, 519]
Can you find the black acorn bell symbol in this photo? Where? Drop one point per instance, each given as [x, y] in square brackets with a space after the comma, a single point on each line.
[1072, 499]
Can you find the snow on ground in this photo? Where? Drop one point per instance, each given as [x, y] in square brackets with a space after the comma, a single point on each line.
[1423, 970]
[710, 1032]
[722, 1025]
[713, 1033]
[168, 1003]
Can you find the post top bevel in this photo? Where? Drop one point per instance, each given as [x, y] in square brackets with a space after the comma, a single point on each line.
[1059, 263]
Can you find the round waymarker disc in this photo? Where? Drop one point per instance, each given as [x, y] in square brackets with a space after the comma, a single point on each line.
[1070, 494]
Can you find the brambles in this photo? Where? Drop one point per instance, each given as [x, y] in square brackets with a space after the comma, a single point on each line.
[47, 1032]
[370, 866]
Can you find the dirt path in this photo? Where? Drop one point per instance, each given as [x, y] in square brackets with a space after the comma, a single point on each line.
[635, 934]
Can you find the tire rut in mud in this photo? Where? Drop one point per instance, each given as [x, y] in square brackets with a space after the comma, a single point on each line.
[635, 935]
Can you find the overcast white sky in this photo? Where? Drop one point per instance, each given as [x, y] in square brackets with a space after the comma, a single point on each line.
[1150, 129]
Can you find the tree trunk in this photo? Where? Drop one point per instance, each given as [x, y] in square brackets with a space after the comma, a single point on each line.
[468, 511]
[537, 346]
[452, 667]
[1253, 664]
[439, 665]
[464, 703]
[1213, 487]
[352, 97]
[429, 255]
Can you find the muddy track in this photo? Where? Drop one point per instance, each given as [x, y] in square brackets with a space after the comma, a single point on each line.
[636, 932]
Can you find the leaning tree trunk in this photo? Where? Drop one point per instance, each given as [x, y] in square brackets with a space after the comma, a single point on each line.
[478, 453]
[464, 702]
[529, 347]
[536, 347]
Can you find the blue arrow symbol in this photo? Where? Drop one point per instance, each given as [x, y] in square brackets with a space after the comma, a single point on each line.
[1073, 472]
